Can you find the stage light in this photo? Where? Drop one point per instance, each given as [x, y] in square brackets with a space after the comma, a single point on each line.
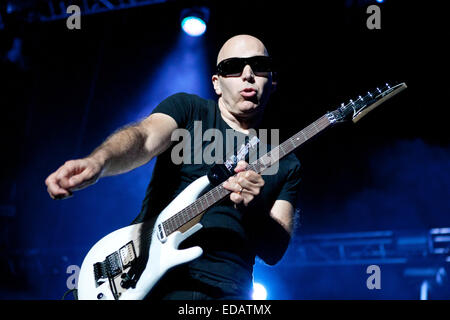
[380, 1]
[259, 292]
[194, 20]
[193, 26]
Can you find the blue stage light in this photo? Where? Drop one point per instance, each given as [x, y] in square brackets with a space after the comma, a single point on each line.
[194, 21]
[380, 1]
[193, 26]
[259, 292]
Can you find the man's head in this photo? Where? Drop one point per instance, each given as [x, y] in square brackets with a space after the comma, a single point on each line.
[244, 92]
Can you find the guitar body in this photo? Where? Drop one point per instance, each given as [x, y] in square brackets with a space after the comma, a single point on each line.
[127, 263]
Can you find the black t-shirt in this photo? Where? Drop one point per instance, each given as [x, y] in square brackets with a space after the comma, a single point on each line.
[227, 238]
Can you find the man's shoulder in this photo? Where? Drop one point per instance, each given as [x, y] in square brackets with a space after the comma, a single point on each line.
[289, 167]
[190, 98]
[185, 107]
[292, 158]
[291, 162]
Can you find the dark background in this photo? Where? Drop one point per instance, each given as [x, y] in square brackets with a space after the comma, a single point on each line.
[68, 90]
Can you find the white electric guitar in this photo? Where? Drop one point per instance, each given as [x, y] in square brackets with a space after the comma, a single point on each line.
[127, 263]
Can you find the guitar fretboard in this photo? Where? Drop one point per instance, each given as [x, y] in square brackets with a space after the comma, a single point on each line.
[219, 192]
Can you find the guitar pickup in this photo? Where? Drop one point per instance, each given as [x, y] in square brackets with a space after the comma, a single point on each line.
[114, 264]
[127, 254]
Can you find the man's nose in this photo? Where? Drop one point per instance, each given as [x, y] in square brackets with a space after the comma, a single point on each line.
[247, 73]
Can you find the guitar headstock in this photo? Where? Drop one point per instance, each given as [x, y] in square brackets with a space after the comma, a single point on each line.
[356, 109]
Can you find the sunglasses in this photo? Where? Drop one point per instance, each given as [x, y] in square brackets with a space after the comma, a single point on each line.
[233, 67]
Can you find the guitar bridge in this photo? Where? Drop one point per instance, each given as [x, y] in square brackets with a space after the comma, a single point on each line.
[114, 264]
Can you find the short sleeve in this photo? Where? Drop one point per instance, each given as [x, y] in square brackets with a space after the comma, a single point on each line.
[291, 188]
[178, 106]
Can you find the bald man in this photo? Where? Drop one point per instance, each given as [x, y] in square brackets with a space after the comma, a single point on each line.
[256, 219]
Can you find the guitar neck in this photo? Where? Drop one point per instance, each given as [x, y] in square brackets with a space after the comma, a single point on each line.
[289, 145]
[264, 162]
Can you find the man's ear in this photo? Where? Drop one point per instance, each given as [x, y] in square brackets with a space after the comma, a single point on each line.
[216, 84]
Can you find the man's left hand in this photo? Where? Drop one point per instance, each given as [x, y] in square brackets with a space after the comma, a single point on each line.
[245, 185]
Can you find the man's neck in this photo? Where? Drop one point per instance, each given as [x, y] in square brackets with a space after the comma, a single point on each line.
[239, 124]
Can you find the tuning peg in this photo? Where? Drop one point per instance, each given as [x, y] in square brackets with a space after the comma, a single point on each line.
[379, 90]
[387, 85]
[360, 98]
[368, 92]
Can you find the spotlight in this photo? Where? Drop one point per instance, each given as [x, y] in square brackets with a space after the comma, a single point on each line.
[259, 292]
[194, 20]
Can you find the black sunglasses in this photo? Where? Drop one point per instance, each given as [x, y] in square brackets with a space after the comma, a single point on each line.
[233, 67]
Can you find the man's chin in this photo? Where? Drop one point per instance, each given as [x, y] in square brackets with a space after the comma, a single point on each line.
[249, 107]
[248, 113]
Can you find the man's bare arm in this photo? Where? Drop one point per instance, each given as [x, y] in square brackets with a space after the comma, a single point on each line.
[283, 212]
[135, 145]
[123, 151]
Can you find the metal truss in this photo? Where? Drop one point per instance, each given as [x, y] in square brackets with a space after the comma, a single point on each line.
[380, 247]
[50, 10]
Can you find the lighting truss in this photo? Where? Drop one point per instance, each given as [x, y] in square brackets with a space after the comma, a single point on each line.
[380, 247]
[50, 10]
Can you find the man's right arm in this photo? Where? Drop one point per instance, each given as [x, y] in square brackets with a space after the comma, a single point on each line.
[125, 150]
